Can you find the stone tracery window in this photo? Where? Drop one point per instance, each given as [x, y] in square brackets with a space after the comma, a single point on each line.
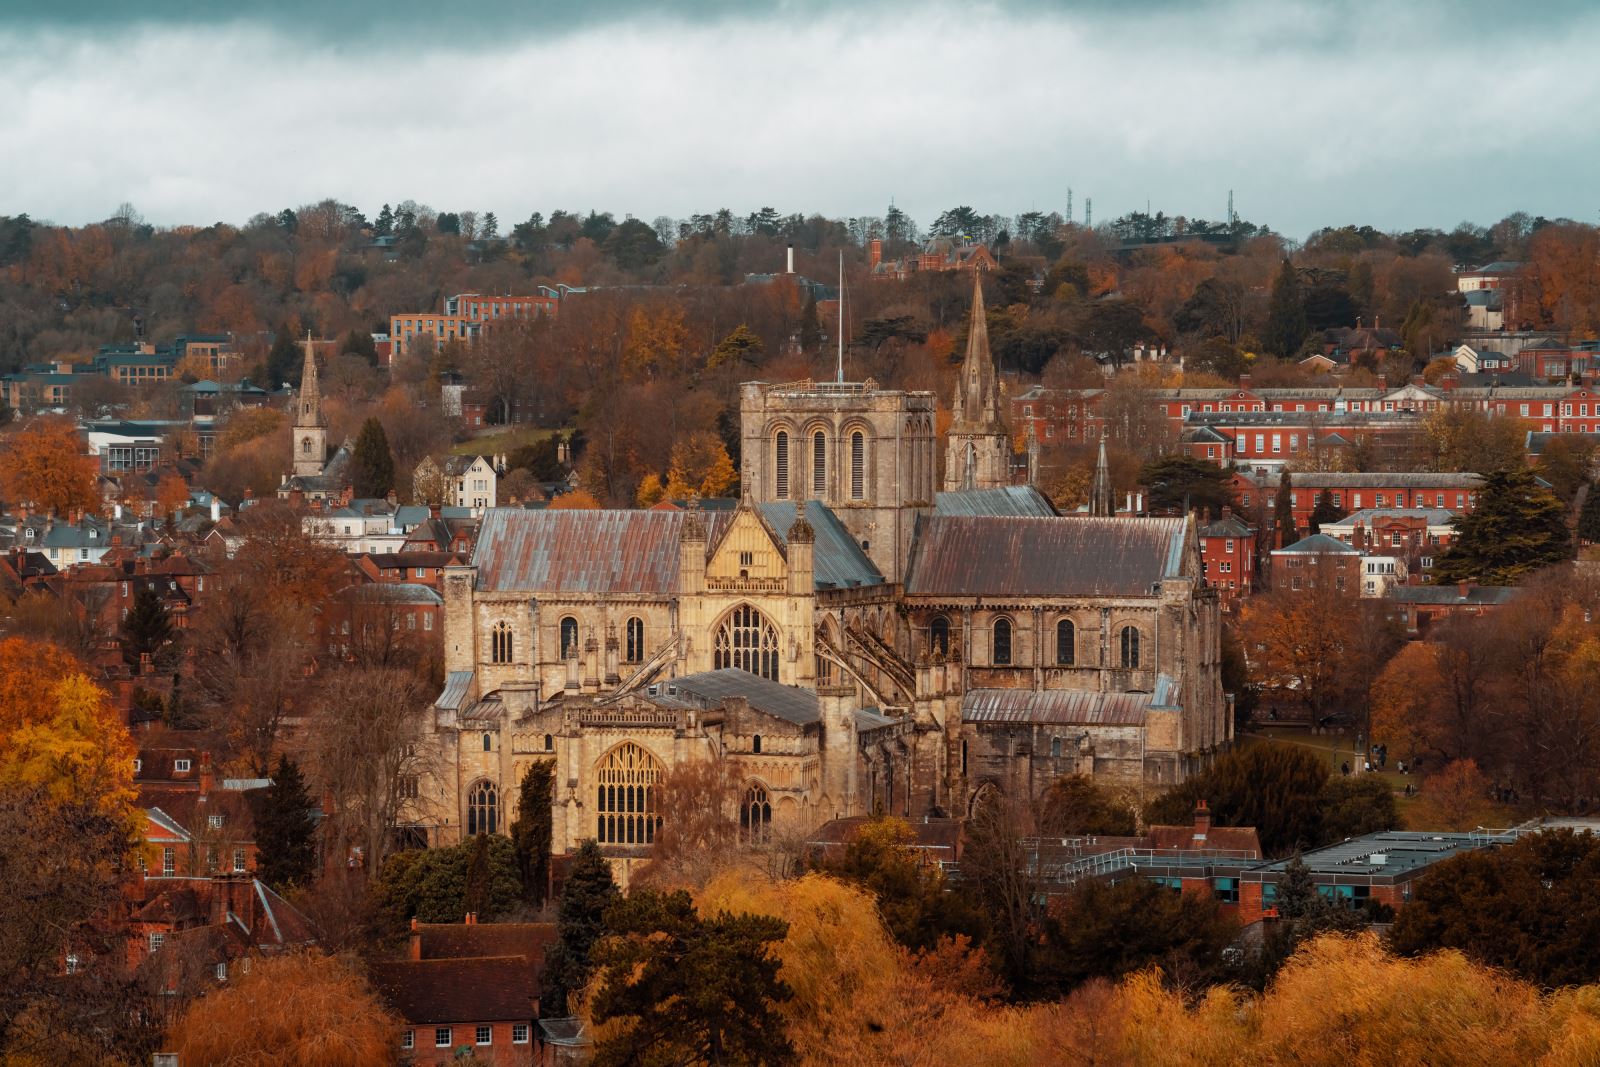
[635, 641]
[500, 645]
[755, 815]
[626, 781]
[483, 808]
[1130, 648]
[746, 640]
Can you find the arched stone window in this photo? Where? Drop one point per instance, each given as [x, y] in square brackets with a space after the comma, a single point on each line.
[780, 445]
[819, 465]
[755, 744]
[305, 445]
[483, 808]
[755, 815]
[569, 636]
[549, 743]
[858, 465]
[1066, 643]
[1055, 748]
[634, 643]
[747, 641]
[500, 644]
[488, 742]
[1130, 648]
[626, 781]
[1001, 656]
[939, 635]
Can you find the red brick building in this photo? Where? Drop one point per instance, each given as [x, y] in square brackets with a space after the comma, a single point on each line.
[1228, 557]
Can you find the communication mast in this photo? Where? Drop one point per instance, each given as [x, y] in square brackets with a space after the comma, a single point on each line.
[1069, 203]
[1088, 212]
[1232, 218]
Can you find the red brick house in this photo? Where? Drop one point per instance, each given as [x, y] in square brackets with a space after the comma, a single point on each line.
[417, 568]
[1228, 557]
[467, 986]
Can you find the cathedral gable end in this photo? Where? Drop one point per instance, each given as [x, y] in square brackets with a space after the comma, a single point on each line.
[748, 551]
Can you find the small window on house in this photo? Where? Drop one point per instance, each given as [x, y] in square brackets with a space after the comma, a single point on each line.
[214, 821]
[441, 1037]
[138, 765]
[1055, 748]
[485, 1035]
[1130, 648]
[156, 941]
[501, 647]
[519, 1034]
[408, 1040]
[634, 645]
[747, 559]
[180, 766]
[222, 972]
[1066, 643]
[238, 860]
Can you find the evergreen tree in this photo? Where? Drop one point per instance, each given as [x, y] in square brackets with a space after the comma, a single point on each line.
[588, 892]
[490, 227]
[1286, 315]
[1589, 517]
[1517, 528]
[286, 851]
[285, 359]
[360, 343]
[372, 464]
[531, 830]
[476, 895]
[690, 989]
[147, 629]
[810, 326]
[385, 224]
[1283, 513]
[1325, 511]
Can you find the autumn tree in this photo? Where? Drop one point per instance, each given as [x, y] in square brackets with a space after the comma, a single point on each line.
[700, 466]
[1460, 438]
[46, 468]
[286, 848]
[1320, 646]
[588, 891]
[531, 830]
[367, 724]
[1075, 805]
[371, 462]
[1517, 527]
[741, 347]
[704, 835]
[916, 902]
[1454, 797]
[1589, 516]
[689, 988]
[301, 1007]
[1527, 908]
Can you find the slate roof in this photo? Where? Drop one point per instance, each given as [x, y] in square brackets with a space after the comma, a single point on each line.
[1229, 525]
[1067, 707]
[456, 685]
[578, 551]
[709, 688]
[962, 556]
[837, 561]
[1535, 441]
[1367, 516]
[1482, 595]
[482, 989]
[443, 941]
[1317, 544]
[1369, 480]
[389, 593]
[1007, 500]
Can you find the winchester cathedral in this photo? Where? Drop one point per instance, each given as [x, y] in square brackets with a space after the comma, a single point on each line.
[857, 635]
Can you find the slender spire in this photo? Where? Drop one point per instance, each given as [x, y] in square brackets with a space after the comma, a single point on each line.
[977, 402]
[310, 413]
[1101, 500]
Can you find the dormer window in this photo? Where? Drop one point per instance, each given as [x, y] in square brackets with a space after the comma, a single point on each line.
[214, 821]
[180, 766]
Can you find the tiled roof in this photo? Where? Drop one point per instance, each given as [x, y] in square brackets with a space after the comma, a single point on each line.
[578, 551]
[966, 556]
[1233, 838]
[1067, 707]
[444, 941]
[480, 989]
[1007, 500]
[709, 688]
[837, 561]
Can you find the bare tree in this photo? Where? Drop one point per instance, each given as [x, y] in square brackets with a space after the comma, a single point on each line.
[702, 835]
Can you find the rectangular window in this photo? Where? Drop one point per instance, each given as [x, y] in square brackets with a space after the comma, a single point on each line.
[427, 621]
[519, 1034]
[441, 1037]
[222, 972]
[1277, 442]
[485, 1034]
[169, 861]
[214, 822]
[408, 1040]
[156, 941]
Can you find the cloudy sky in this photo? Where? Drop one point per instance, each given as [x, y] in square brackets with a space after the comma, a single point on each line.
[1395, 114]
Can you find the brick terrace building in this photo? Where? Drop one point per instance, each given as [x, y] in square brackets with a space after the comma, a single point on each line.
[1228, 556]
[1455, 493]
[1312, 561]
[1421, 607]
[465, 317]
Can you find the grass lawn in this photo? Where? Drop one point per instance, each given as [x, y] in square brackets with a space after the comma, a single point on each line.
[501, 441]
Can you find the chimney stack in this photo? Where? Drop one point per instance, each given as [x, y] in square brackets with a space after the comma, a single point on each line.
[216, 509]
[1202, 820]
[416, 940]
[790, 269]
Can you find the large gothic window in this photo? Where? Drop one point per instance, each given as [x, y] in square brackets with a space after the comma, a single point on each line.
[755, 815]
[1130, 648]
[626, 807]
[939, 635]
[635, 640]
[1066, 643]
[569, 636]
[781, 449]
[858, 465]
[819, 465]
[483, 809]
[1002, 642]
[305, 445]
[500, 644]
[747, 641]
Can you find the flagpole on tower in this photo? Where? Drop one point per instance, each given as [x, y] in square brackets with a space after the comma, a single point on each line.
[841, 316]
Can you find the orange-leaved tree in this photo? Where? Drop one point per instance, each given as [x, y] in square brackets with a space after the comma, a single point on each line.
[700, 464]
[46, 467]
[292, 1009]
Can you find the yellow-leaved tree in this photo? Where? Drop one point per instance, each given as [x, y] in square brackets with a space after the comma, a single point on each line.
[46, 468]
[700, 465]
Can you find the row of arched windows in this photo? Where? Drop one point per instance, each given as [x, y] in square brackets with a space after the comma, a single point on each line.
[857, 488]
[502, 647]
[1000, 651]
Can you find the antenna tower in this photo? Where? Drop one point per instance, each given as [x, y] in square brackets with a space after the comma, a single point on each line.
[1232, 218]
[1088, 212]
[1069, 203]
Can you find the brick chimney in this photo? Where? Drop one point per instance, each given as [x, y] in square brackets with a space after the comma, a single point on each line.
[471, 919]
[1244, 381]
[874, 252]
[1202, 821]
[415, 951]
[1462, 588]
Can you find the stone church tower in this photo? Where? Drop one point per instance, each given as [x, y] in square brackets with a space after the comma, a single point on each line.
[310, 427]
[978, 452]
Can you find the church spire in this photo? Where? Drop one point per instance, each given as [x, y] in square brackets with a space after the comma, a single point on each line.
[310, 410]
[1101, 500]
[977, 401]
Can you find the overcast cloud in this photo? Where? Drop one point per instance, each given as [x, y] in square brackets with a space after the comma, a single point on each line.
[1314, 114]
